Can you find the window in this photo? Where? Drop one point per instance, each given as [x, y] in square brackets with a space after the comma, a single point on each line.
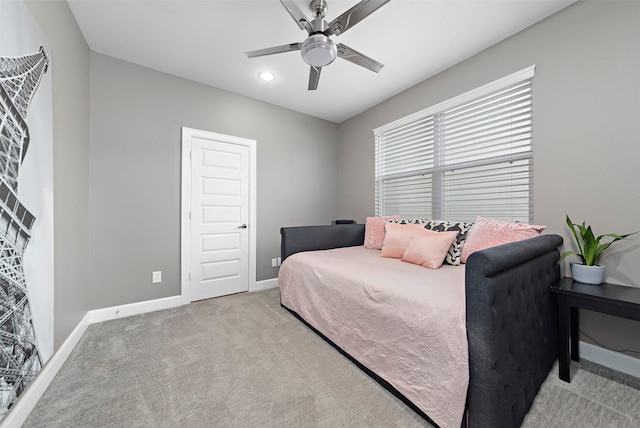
[468, 156]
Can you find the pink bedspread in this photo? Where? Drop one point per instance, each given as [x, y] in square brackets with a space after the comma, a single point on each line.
[404, 322]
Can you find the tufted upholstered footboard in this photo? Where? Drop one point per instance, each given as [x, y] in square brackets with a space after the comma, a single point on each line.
[511, 326]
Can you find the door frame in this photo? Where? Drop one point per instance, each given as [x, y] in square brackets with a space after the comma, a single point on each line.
[185, 221]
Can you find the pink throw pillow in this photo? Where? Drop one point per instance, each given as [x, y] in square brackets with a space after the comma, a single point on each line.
[428, 248]
[397, 238]
[487, 233]
[374, 231]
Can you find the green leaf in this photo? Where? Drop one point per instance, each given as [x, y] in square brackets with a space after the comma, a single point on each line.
[589, 246]
[570, 253]
[575, 235]
[617, 237]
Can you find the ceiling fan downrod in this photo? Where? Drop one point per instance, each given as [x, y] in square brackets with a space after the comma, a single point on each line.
[319, 8]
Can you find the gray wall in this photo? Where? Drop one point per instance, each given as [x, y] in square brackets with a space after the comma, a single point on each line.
[586, 127]
[70, 77]
[587, 100]
[136, 120]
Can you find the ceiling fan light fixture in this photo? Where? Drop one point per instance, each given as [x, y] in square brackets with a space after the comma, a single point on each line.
[318, 50]
[267, 76]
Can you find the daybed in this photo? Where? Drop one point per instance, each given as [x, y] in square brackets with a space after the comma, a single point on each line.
[508, 309]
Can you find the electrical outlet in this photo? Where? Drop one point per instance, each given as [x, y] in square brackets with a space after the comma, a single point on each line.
[156, 277]
[274, 262]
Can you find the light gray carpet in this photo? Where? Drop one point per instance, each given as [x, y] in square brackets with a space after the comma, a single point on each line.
[242, 361]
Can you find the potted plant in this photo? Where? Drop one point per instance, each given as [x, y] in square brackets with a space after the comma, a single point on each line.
[590, 271]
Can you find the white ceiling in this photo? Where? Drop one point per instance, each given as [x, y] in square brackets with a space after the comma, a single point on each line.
[205, 41]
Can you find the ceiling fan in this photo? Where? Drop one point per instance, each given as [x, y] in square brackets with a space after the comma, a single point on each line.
[318, 50]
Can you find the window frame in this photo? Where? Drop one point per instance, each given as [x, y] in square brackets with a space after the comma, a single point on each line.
[438, 169]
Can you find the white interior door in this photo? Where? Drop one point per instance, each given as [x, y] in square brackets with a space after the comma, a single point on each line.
[219, 243]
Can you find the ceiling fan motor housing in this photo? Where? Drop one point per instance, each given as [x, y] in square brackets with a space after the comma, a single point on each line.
[318, 50]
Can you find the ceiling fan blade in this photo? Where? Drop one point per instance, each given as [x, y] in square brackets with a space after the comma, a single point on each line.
[352, 55]
[297, 16]
[354, 15]
[274, 50]
[314, 77]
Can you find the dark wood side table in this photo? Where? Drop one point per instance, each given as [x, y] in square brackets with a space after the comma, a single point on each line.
[610, 299]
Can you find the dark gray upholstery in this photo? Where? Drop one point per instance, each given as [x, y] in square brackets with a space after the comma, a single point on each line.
[511, 318]
[311, 238]
[511, 328]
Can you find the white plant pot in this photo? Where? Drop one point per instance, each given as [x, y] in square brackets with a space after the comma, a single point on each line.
[587, 274]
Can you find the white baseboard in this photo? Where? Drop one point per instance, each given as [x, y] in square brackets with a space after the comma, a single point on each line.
[106, 314]
[266, 284]
[29, 398]
[611, 359]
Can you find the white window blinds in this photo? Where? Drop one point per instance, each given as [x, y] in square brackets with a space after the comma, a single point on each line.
[468, 156]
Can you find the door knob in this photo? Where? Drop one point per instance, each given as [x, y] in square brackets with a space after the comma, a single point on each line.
[244, 226]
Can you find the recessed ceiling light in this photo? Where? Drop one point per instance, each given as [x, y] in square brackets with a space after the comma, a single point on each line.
[266, 76]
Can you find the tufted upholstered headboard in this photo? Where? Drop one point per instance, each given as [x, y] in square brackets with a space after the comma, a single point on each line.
[326, 237]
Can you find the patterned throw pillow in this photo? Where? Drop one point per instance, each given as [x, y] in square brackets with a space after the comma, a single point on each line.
[411, 221]
[462, 227]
